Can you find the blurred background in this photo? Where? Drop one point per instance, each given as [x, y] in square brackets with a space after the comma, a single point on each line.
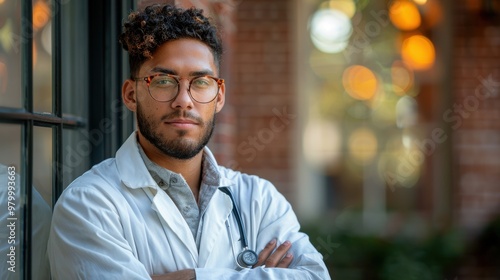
[378, 120]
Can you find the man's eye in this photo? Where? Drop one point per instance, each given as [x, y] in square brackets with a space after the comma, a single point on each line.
[163, 82]
[201, 82]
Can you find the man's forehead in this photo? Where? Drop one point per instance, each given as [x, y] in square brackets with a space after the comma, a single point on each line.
[182, 55]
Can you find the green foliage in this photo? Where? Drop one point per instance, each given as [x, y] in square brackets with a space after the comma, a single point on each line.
[366, 257]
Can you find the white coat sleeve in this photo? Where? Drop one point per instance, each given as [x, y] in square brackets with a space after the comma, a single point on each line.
[273, 217]
[86, 239]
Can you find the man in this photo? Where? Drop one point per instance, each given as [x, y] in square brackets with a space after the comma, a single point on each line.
[163, 208]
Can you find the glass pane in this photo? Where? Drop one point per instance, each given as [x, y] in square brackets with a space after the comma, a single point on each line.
[42, 56]
[74, 52]
[10, 200]
[76, 154]
[10, 53]
[41, 199]
[42, 162]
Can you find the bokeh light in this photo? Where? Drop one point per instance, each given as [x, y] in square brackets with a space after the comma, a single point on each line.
[330, 30]
[6, 35]
[348, 7]
[406, 112]
[360, 82]
[322, 143]
[46, 38]
[420, 2]
[363, 145]
[404, 15]
[402, 78]
[41, 14]
[383, 109]
[418, 52]
[399, 165]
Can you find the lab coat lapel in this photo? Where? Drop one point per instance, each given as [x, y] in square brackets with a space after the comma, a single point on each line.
[133, 172]
[177, 230]
[214, 227]
[135, 175]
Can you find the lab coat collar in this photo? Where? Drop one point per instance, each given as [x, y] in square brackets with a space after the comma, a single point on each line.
[133, 171]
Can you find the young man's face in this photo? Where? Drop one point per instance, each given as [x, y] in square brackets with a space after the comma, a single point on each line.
[182, 127]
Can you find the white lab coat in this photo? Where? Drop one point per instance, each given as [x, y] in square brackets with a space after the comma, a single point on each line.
[114, 222]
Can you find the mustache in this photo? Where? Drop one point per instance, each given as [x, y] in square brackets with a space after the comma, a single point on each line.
[182, 114]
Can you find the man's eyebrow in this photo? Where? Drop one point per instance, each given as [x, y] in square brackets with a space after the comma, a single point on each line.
[162, 70]
[201, 73]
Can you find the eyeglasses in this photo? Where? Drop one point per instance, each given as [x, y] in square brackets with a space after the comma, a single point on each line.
[165, 87]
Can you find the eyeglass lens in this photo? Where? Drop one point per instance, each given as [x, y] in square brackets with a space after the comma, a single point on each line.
[165, 88]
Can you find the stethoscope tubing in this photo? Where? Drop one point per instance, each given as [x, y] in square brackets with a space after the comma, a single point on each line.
[237, 216]
[246, 251]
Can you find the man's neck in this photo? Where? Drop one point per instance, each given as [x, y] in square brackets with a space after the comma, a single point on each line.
[190, 169]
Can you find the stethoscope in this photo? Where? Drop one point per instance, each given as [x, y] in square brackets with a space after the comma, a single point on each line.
[247, 257]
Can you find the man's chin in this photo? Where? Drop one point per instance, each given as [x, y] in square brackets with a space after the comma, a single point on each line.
[180, 147]
[182, 154]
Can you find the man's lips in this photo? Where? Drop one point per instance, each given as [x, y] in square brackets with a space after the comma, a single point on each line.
[181, 123]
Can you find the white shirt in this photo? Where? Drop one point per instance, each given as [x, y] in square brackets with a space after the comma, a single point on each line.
[115, 222]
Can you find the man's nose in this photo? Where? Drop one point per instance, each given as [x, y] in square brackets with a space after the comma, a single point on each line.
[183, 99]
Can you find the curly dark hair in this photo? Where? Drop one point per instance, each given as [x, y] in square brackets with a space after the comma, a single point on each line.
[145, 31]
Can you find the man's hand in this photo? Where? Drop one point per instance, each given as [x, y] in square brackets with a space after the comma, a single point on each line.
[278, 258]
[186, 274]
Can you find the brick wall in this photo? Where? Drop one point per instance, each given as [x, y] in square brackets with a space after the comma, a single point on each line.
[476, 87]
[262, 91]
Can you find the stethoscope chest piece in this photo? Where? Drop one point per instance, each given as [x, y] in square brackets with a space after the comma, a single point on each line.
[247, 258]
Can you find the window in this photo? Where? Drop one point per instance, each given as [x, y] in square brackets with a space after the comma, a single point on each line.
[60, 112]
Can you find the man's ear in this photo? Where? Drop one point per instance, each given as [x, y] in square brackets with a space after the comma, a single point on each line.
[221, 98]
[129, 95]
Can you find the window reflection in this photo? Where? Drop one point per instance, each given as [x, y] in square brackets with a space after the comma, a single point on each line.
[42, 56]
[41, 199]
[10, 53]
[76, 159]
[42, 162]
[10, 155]
[11, 218]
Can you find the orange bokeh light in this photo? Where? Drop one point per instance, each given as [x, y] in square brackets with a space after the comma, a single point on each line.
[402, 78]
[360, 82]
[404, 15]
[418, 52]
[41, 14]
[363, 145]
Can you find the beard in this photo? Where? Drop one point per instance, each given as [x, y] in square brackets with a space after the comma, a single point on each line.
[178, 147]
